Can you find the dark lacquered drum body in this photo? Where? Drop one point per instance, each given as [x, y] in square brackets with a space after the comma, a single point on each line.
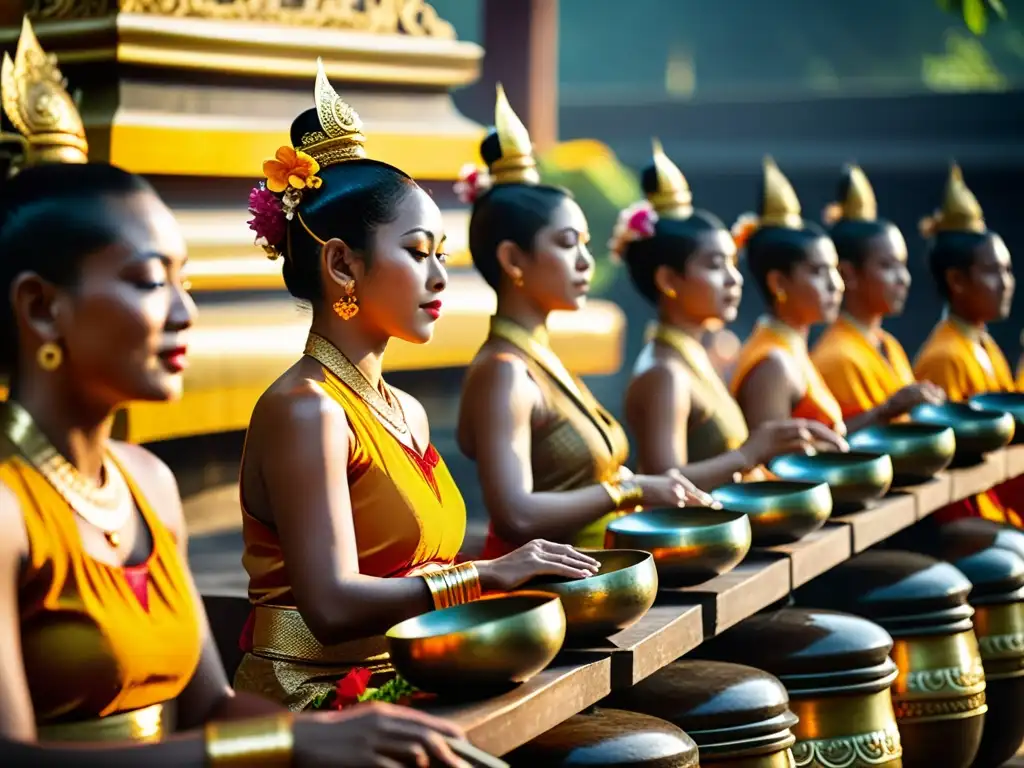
[998, 600]
[939, 693]
[838, 673]
[738, 716]
[609, 737]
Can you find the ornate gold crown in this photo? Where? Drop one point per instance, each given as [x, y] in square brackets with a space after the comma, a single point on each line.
[672, 199]
[38, 105]
[859, 204]
[780, 206]
[340, 138]
[516, 164]
[960, 212]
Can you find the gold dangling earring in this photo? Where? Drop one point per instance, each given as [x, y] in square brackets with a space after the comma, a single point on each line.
[780, 297]
[517, 279]
[49, 356]
[347, 306]
[670, 293]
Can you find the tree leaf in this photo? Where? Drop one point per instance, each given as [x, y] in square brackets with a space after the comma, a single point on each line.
[998, 8]
[975, 17]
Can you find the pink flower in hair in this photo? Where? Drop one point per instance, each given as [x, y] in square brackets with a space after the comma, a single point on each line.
[473, 182]
[635, 223]
[268, 219]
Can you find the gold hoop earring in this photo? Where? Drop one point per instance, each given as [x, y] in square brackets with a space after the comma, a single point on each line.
[347, 306]
[670, 293]
[49, 356]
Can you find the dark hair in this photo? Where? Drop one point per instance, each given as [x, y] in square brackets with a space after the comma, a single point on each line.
[953, 250]
[356, 197]
[51, 218]
[852, 237]
[673, 243]
[781, 248]
[512, 211]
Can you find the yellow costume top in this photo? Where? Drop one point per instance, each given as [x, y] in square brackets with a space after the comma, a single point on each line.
[717, 424]
[862, 373]
[577, 445]
[818, 402]
[97, 640]
[408, 517]
[963, 361]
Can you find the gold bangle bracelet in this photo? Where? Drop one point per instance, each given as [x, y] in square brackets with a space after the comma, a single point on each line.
[632, 495]
[262, 741]
[614, 493]
[469, 582]
[438, 590]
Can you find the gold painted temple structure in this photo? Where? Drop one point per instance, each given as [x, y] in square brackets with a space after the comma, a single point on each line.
[195, 94]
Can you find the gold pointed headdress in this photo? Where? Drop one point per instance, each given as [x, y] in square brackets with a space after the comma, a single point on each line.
[36, 101]
[960, 212]
[859, 203]
[516, 164]
[672, 199]
[780, 207]
[340, 137]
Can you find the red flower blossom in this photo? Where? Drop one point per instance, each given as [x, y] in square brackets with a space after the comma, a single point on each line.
[351, 687]
[268, 218]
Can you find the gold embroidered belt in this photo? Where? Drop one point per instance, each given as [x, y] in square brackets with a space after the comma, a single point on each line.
[282, 634]
[145, 725]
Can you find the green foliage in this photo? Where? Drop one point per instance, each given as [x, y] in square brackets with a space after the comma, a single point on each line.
[976, 13]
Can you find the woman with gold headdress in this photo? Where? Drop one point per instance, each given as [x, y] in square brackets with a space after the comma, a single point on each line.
[351, 520]
[684, 262]
[106, 656]
[865, 366]
[796, 268]
[549, 457]
[973, 272]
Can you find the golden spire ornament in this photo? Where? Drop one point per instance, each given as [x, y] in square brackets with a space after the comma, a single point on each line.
[36, 101]
[859, 203]
[960, 212]
[780, 207]
[673, 198]
[517, 164]
[340, 138]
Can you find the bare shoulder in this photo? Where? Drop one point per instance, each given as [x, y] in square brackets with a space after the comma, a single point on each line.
[14, 545]
[777, 365]
[661, 377]
[295, 401]
[498, 370]
[156, 481]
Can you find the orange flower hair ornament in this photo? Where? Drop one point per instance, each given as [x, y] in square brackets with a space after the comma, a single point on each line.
[273, 202]
[637, 222]
[744, 228]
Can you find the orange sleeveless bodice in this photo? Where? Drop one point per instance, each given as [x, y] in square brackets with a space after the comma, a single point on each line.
[818, 402]
[963, 362]
[98, 640]
[407, 512]
[860, 375]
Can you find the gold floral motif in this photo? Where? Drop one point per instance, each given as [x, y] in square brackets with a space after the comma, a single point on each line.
[942, 709]
[47, 10]
[1001, 646]
[408, 17]
[866, 749]
[947, 679]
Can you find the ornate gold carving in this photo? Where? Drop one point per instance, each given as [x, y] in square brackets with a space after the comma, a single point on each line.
[415, 18]
[1001, 646]
[340, 139]
[673, 198]
[51, 10]
[516, 164]
[38, 105]
[947, 679]
[942, 709]
[866, 749]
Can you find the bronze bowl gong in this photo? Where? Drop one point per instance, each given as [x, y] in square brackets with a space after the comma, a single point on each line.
[690, 546]
[610, 601]
[977, 431]
[1010, 402]
[855, 477]
[918, 451]
[479, 647]
[780, 511]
